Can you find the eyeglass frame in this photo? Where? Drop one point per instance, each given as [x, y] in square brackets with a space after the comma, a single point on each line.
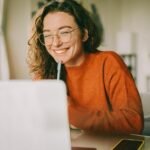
[42, 41]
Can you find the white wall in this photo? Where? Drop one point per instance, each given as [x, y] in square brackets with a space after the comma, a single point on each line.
[116, 16]
[4, 67]
[131, 16]
[135, 18]
[16, 30]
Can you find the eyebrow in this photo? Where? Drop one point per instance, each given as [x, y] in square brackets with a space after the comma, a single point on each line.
[62, 27]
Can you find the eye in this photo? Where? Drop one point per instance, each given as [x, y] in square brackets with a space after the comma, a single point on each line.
[47, 35]
[64, 32]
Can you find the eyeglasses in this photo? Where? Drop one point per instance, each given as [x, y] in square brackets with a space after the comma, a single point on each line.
[64, 34]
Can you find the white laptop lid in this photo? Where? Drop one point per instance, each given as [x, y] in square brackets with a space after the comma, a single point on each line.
[33, 115]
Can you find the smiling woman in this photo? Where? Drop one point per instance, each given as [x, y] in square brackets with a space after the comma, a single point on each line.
[102, 95]
[69, 19]
[66, 44]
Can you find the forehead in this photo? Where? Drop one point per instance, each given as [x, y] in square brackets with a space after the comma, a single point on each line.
[55, 20]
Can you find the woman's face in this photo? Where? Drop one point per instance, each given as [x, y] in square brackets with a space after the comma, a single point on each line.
[63, 38]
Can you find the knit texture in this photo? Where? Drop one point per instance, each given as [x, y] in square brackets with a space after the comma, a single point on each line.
[103, 96]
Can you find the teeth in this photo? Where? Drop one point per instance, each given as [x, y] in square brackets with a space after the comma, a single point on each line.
[60, 51]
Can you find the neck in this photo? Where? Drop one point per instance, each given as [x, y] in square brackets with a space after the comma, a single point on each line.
[76, 61]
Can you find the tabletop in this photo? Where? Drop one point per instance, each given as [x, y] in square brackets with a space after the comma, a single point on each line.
[81, 139]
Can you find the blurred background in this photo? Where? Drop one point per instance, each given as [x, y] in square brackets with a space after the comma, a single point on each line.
[126, 26]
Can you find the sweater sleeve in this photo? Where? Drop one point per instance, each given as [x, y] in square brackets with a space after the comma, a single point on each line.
[125, 115]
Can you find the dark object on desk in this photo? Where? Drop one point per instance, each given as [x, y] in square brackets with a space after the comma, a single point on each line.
[129, 144]
[82, 148]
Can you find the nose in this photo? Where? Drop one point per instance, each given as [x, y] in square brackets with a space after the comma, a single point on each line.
[56, 41]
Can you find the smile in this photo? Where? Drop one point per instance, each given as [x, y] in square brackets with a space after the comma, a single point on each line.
[60, 51]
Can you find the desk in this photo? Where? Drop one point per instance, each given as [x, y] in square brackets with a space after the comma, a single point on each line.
[81, 139]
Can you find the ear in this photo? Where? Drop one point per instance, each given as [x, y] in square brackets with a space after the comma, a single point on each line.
[85, 36]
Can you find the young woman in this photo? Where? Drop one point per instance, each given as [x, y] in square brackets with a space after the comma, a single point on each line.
[102, 95]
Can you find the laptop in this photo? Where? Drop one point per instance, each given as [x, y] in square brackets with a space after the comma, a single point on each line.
[33, 115]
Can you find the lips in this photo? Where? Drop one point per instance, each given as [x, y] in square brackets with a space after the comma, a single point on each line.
[60, 51]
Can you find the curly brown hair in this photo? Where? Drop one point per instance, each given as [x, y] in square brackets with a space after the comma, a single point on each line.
[41, 63]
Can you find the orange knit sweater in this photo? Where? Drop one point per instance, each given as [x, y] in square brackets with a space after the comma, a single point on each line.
[103, 97]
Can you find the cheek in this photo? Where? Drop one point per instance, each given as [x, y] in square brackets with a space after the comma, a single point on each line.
[50, 52]
[78, 44]
[77, 40]
[48, 49]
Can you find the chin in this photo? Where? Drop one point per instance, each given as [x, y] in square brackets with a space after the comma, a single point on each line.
[59, 59]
